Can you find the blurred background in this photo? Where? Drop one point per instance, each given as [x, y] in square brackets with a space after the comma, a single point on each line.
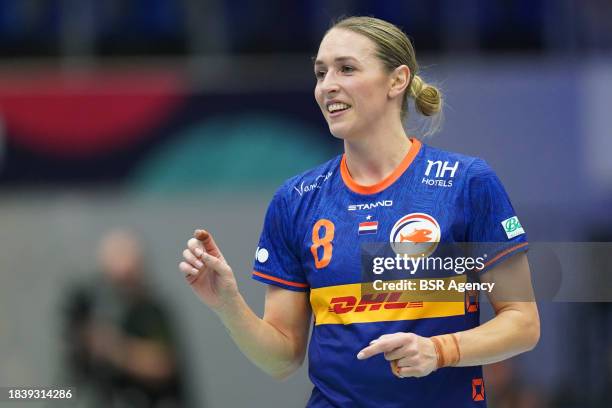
[125, 124]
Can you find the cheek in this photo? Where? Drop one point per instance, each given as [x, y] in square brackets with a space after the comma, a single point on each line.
[318, 95]
[372, 97]
[318, 90]
[375, 92]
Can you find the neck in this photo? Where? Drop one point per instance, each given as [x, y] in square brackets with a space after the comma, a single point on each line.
[372, 158]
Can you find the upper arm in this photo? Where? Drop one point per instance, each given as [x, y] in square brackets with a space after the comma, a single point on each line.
[513, 290]
[289, 312]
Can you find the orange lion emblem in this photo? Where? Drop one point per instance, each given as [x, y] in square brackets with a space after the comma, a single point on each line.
[418, 235]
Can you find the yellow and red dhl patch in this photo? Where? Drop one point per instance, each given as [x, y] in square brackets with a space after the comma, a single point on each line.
[347, 304]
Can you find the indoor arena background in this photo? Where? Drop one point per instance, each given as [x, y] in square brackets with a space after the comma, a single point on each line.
[161, 116]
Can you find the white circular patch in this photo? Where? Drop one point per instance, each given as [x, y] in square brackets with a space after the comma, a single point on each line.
[415, 234]
[262, 255]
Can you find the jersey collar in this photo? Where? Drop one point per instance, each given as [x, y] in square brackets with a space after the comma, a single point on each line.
[383, 184]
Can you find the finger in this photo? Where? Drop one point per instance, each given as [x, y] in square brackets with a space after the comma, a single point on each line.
[195, 247]
[395, 354]
[395, 369]
[380, 338]
[187, 268]
[216, 264]
[407, 361]
[209, 243]
[383, 345]
[191, 259]
[391, 335]
[406, 350]
[411, 372]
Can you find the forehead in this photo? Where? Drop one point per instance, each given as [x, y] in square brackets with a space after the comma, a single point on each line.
[345, 43]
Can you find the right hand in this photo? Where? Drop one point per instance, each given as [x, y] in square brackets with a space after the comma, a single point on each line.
[206, 270]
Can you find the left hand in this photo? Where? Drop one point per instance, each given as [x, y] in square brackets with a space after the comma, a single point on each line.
[410, 355]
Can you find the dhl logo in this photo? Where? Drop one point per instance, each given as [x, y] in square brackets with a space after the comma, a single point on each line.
[388, 301]
[347, 304]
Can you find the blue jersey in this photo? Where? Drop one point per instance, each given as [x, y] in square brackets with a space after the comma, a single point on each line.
[311, 241]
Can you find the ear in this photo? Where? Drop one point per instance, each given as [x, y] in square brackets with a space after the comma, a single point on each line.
[400, 78]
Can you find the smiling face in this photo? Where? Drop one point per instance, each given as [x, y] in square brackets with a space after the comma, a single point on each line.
[353, 86]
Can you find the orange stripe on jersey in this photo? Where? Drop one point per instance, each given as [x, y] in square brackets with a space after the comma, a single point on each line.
[359, 303]
[504, 253]
[279, 280]
[390, 179]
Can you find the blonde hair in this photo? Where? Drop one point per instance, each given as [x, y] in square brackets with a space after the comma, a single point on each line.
[393, 49]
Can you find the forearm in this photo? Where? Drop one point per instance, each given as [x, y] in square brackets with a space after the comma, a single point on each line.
[509, 333]
[273, 351]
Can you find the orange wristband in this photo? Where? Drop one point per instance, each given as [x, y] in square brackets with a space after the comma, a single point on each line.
[447, 349]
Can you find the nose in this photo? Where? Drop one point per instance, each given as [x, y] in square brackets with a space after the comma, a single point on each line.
[329, 84]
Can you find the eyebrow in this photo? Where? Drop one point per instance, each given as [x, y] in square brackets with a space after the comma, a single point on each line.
[337, 59]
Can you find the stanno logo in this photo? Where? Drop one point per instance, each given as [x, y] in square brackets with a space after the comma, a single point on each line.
[369, 302]
[369, 206]
[441, 170]
[304, 188]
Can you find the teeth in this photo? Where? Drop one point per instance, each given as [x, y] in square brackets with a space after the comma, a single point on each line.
[336, 107]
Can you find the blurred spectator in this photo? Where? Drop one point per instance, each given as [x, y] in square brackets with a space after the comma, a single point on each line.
[121, 351]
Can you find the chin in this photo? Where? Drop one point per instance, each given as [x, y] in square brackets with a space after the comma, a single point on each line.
[339, 131]
[337, 135]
